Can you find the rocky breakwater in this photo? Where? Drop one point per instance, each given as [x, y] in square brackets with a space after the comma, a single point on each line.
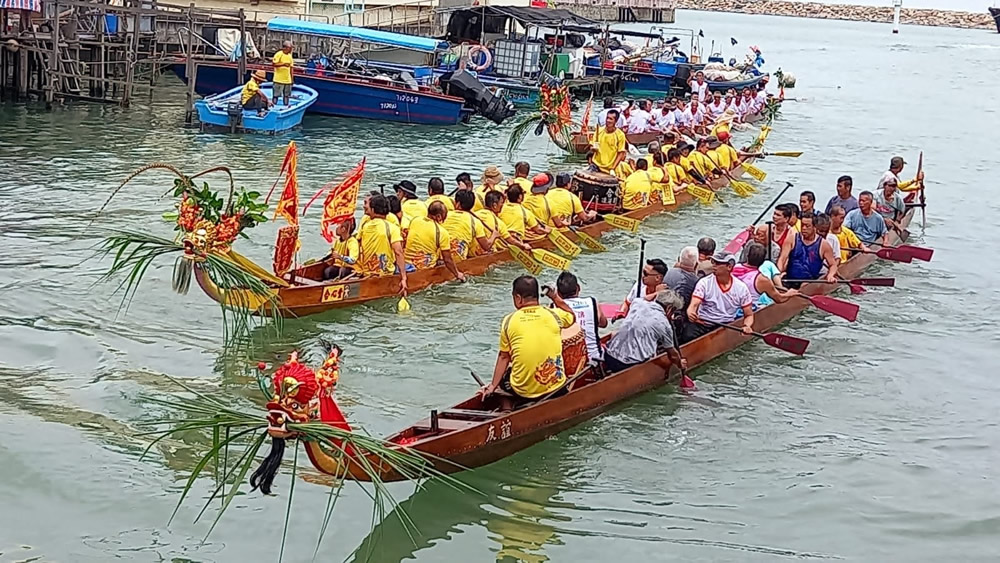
[914, 16]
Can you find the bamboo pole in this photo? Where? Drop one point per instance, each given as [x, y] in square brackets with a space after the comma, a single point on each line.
[243, 48]
[190, 68]
[50, 90]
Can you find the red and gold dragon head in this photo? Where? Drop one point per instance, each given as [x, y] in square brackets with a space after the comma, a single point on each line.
[301, 394]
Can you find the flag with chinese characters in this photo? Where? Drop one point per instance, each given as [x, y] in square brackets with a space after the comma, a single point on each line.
[288, 205]
[285, 248]
[586, 117]
[342, 200]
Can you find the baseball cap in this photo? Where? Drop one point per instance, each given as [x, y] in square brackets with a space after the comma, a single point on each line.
[722, 257]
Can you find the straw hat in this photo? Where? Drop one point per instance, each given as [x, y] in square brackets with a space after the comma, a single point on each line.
[260, 75]
[493, 174]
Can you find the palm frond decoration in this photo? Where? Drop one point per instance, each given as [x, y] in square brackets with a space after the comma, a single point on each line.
[553, 114]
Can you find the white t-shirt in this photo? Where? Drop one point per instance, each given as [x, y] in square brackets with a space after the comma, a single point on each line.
[638, 121]
[699, 90]
[666, 120]
[835, 245]
[696, 118]
[602, 118]
[721, 306]
[584, 308]
[748, 105]
[716, 110]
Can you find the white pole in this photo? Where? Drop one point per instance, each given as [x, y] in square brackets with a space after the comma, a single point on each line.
[897, 5]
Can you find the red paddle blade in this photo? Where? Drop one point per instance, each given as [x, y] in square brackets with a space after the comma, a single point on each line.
[842, 309]
[738, 242]
[895, 255]
[787, 343]
[875, 282]
[687, 383]
[917, 252]
[856, 289]
[610, 311]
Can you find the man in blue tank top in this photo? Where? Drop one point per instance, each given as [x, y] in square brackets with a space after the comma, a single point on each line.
[803, 256]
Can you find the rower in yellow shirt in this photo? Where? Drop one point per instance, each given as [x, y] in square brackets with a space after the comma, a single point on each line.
[663, 190]
[464, 181]
[700, 160]
[344, 253]
[428, 241]
[468, 237]
[435, 192]
[678, 177]
[522, 170]
[495, 225]
[251, 97]
[410, 206]
[537, 202]
[637, 188]
[519, 220]
[688, 166]
[610, 146]
[530, 363]
[846, 237]
[381, 252]
[369, 214]
[491, 181]
[566, 205]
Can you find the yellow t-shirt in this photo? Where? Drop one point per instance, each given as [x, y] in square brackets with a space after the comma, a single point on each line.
[390, 218]
[463, 229]
[517, 218]
[250, 90]
[539, 205]
[637, 189]
[348, 248]
[479, 204]
[676, 174]
[701, 163]
[376, 238]
[687, 165]
[525, 184]
[424, 243]
[847, 239]
[663, 191]
[445, 200]
[728, 157]
[531, 336]
[412, 209]
[494, 223]
[564, 203]
[608, 147]
[283, 74]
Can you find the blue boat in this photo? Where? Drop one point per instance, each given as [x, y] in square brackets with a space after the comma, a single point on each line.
[225, 110]
[353, 92]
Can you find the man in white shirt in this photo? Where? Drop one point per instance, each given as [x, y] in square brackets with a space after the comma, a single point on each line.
[717, 299]
[665, 118]
[639, 118]
[694, 119]
[699, 87]
[588, 314]
[717, 106]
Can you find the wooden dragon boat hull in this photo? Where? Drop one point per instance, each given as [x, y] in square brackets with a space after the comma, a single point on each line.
[581, 142]
[310, 297]
[472, 434]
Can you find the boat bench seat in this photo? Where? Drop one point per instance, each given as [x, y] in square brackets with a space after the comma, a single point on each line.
[467, 414]
[445, 424]
[299, 280]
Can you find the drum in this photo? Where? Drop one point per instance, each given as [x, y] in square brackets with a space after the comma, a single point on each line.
[574, 349]
[597, 190]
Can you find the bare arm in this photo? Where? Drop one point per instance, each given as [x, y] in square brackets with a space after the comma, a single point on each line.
[832, 263]
[602, 321]
[692, 310]
[397, 249]
[503, 361]
[449, 262]
[786, 251]
[767, 287]
[747, 319]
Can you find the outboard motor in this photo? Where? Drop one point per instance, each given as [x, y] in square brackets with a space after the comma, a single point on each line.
[235, 112]
[477, 97]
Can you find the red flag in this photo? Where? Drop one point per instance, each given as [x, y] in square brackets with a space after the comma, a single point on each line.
[586, 117]
[288, 205]
[342, 200]
[285, 248]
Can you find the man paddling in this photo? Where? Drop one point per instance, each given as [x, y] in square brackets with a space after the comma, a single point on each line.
[645, 331]
[521, 171]
[865, 222]
[718, 298]
[529, 364]
[588, 314]
[652, 277]
[889, 204]
[435, 192]
[519, 220]
[537, 201]
[759, 236]
[845, 236]
[761, 276]
[410, 205]
[428, 242]
[807, 202]
[566, 205]
[804, 255]
[468, 237]
[490, 216]
[381, 244]
[843, 198]
[895, 167]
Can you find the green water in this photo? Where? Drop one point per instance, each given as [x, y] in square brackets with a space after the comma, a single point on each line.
[877, 446]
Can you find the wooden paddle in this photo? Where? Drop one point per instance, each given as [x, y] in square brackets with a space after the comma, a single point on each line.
[887, 253]
[843, 309]
[621, 222]
[742, 189]
[790, 344]
[789, 154]
[737, 243]
[538, 257]
[566, 246]
[917, 252]
[874, 282]
[923, 199]
[588, 241]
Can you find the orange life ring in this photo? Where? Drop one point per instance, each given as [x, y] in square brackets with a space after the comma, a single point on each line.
[475, 50]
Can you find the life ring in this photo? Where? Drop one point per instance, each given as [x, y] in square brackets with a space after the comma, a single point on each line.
[475, 50]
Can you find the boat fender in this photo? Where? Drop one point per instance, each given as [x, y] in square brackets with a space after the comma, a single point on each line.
[473, 52]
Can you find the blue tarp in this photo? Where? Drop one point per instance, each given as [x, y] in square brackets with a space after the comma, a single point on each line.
[411, 42]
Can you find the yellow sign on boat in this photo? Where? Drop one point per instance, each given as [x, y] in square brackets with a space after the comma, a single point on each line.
[562, 242]
[530, 264]
[623, 223]
[704, 195]
[755, 172]
[333, 293]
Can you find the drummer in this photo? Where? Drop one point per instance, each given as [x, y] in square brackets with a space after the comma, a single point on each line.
[565, 205]
[530, 364]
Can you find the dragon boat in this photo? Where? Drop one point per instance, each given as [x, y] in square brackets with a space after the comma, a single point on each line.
[474, 432]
